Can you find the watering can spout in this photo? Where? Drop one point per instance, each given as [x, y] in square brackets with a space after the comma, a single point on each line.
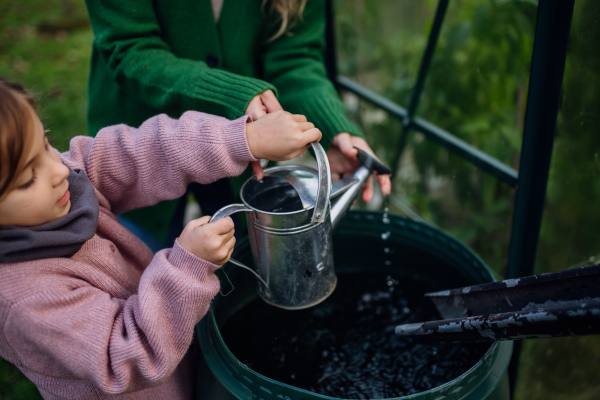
[347, 189]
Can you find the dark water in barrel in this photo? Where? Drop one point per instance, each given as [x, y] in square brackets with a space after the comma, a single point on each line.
[346, 346]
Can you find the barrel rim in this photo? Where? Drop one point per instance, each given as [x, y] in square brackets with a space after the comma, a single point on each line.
[497, 356]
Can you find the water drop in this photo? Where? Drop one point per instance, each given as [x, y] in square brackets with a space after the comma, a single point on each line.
[386, 220]
[388, 262]
[406, 310]
[385, 235]
[386, 250]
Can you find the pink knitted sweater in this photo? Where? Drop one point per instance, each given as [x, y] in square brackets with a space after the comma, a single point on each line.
[115, 320]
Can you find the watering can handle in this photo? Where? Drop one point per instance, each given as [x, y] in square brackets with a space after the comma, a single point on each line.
[225, 212]
[324, 187]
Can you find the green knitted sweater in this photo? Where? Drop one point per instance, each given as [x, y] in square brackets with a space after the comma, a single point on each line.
[169, 56]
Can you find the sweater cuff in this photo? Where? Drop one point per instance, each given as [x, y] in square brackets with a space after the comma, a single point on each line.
[329, 116]
[231, 92]
[190, 263]
[235, 131]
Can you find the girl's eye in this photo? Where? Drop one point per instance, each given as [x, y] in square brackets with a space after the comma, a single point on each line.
[49, 141]
[28, 183]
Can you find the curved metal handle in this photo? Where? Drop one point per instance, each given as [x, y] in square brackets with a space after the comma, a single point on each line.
[228, 210]
[324, 188]
[225, 212]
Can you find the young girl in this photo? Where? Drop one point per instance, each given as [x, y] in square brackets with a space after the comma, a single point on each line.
[86, 310]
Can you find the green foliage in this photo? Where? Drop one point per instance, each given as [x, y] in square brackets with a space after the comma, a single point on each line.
[45, 45]
[475, 89]
[14, 386]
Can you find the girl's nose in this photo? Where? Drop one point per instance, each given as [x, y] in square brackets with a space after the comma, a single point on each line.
[60, 172]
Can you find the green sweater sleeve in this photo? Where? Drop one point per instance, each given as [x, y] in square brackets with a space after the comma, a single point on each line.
[128, 36]
[294, 64]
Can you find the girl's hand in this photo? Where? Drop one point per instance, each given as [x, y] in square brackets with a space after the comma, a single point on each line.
[261, 104]
[212, 241]
[280, 136]
[342, 160]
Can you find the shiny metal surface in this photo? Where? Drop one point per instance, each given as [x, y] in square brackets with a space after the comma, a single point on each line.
[304, 180]
[324, 190]
[342, 204]
[369, 163]
[290, 224]
[297, 266]
[225, 212]
[339, 187]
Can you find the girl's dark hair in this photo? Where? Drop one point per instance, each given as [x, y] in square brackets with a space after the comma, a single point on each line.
[14, 122]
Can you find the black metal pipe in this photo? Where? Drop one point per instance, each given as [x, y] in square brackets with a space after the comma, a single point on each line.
[434, 35]
[547, 68]
[480, 159]
[457, 146]
[377, 100]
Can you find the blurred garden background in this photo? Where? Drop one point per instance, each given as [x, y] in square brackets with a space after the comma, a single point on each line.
[476, 89]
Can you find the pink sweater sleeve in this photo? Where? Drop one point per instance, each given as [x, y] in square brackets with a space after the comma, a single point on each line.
[135, 168]
[68, 328]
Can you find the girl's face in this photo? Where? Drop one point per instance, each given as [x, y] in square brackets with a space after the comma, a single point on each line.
[41, 191]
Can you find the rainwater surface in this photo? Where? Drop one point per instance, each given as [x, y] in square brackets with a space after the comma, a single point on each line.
[346, 346]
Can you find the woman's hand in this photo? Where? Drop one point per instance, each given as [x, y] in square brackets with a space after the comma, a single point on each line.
[212, 241]
[280, 136]
[263, 103]
[343, 161]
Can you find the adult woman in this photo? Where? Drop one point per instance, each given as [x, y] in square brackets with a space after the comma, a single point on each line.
[169, 56]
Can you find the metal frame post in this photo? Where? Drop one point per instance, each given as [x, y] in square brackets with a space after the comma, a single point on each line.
[552, 30]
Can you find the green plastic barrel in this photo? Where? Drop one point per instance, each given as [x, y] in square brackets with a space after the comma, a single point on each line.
[364, 242]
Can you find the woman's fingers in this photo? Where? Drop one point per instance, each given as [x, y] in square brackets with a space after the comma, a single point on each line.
[339, 163]
[343, 141]
[256, 108]
[368, 190]
[385, 184]
[270, 101]
[257, 169]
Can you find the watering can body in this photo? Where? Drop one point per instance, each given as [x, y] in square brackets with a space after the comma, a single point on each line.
[291, 239]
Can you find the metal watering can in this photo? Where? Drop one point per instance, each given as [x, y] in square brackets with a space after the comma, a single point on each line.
[293, 211]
